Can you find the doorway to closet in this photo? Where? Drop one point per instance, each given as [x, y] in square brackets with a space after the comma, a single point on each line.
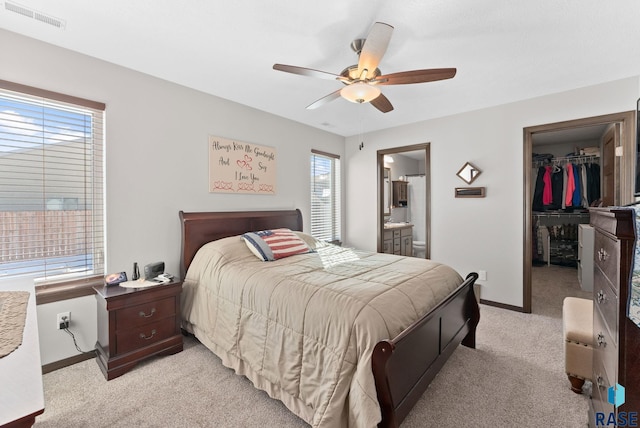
[552, 227]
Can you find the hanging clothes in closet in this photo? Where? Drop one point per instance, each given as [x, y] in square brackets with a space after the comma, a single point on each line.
[566, 183]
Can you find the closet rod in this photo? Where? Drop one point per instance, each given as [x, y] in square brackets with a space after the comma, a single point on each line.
[565, 159]
[556, 214]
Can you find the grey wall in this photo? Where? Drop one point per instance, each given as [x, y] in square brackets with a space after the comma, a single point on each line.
[474, 234]
[156, 162]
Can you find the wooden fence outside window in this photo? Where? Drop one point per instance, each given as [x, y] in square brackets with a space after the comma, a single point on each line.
[29, 235]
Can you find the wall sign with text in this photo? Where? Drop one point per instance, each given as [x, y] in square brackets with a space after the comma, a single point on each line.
[238, 167]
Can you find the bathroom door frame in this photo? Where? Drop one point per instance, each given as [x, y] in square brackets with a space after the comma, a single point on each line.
[427, 174]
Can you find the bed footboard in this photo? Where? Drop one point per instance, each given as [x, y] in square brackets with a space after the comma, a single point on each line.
[404, 366]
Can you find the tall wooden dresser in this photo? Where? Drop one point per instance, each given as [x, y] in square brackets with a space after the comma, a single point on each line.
[616, 357]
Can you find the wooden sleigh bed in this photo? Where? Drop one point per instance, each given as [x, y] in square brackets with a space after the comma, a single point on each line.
[402, 366]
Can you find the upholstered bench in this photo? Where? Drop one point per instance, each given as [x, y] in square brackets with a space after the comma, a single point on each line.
[577, 326]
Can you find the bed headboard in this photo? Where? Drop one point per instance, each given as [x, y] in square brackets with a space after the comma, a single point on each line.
[198, 228]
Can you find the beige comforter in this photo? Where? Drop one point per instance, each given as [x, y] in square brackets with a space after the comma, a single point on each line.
[303, 328]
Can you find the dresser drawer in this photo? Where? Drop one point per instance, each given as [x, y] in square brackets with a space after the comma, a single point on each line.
[145, 335]
[147, 312]
[396, 233]
[607, 256]
[601, 384]
[605, 301]
[605, 347]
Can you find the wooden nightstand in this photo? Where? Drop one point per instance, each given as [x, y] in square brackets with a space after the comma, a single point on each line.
[135, 324]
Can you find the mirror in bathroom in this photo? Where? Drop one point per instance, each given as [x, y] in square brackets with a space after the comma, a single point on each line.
[387, 192]
[468, 173]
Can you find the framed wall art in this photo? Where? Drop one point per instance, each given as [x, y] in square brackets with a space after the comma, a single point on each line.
[239, 167]
[468, 173]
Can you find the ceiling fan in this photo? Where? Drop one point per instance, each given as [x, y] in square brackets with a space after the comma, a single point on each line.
[362, 80]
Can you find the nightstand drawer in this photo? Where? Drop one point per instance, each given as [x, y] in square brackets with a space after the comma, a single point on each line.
[136, 338]
[607, 256]
[145, 313]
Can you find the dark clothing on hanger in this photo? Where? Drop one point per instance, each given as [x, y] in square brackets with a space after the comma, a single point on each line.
[539, 190]
[577, 179]
[556, 186]
[593, 185]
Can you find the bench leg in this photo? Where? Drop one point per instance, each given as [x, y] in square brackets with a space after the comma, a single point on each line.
[576, 384]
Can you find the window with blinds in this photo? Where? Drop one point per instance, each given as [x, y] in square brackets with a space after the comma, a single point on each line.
[51, 185]
[325, 196]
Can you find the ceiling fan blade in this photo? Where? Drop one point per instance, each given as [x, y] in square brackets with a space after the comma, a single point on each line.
[305, 71]
[382, 103]
[324, 100]
[416, 76]
[374, 48]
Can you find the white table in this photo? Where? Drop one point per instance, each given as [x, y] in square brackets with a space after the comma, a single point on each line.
[21, 391]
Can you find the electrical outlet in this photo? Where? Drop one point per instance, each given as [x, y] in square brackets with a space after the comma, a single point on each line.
[482, 275]
[63, 319]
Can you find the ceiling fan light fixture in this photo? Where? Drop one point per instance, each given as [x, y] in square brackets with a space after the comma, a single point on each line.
[360, 92]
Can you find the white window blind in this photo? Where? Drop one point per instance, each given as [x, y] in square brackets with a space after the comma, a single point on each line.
[325, 196]
[51, 185]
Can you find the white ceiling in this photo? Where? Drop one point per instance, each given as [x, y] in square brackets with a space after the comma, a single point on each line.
[504, 50]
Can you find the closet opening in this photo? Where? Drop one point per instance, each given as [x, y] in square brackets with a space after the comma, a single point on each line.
[570, 166]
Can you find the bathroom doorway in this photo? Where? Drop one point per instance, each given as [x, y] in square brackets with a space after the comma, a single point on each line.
[405, 168]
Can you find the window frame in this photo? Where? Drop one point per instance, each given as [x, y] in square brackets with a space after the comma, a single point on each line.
[336, 195]
[51, 291]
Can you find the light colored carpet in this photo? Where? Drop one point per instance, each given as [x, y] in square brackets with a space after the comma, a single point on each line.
[515, 377]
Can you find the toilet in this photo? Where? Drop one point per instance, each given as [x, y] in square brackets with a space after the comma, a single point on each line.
[419, 249]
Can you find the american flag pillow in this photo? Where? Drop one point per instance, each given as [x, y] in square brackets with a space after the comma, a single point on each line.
[269, 245]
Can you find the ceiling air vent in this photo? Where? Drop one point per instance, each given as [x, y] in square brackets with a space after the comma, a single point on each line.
[34, 14]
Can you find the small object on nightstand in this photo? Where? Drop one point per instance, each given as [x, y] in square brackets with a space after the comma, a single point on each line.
[115, 278]
[136, 272]
[163, 278]
[153, 269]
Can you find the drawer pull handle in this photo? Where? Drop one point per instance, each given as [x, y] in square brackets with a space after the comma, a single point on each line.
[153, 333]
[600, 340]
[143, 315]
[602, 254]
[601, 296]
